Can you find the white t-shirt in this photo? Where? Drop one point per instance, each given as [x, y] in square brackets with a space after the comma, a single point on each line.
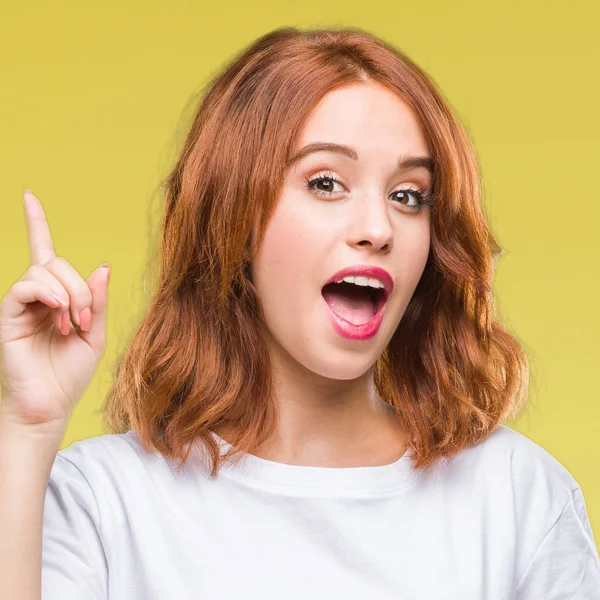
[504, 520]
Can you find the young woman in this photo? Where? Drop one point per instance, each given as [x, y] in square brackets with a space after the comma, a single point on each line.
[314, 404]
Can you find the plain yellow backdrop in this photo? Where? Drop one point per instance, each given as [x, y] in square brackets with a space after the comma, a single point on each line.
[96, 97]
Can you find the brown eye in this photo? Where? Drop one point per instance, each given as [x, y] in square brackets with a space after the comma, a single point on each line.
[415, 193]
[326, 181]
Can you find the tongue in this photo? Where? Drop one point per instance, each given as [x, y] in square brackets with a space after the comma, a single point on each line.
[350, 302]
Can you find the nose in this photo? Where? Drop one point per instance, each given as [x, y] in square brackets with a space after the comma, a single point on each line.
[370, 224]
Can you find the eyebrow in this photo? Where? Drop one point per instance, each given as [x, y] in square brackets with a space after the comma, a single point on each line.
[410, 162]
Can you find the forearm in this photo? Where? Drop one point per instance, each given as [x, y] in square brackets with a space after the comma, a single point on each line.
[26, 458]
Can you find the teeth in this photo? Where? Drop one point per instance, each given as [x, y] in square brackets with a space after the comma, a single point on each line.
[375, 283]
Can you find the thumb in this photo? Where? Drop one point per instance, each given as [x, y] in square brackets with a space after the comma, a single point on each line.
[98, 284]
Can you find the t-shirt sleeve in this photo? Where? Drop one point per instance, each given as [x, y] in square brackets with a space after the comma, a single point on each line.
[566, 563]
[74, 565]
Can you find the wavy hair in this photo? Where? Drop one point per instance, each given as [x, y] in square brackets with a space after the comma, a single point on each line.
[199, 360]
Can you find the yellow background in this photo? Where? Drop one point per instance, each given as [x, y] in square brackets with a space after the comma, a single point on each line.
[95, 102]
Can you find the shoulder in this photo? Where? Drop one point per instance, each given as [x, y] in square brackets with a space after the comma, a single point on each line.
[556, 548]
[533, 468]
[515, 475]
[523, 493]
[539, 482]
[104, 449]
[109, 462]
[507, 453]
[538, 489]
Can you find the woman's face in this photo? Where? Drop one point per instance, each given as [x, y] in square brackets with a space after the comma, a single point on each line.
[362, 218]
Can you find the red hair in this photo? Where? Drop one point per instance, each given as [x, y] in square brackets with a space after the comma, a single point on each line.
[200, 359]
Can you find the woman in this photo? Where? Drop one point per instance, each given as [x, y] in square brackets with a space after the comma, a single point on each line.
[313, 405]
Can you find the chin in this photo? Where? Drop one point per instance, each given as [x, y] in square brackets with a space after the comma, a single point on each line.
[338, 365]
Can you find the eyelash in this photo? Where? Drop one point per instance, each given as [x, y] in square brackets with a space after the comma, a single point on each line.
[422, 198]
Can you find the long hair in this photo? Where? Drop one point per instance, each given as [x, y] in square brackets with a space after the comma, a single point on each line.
[200, 359]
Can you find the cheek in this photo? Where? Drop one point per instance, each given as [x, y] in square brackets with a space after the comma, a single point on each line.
[285, 256]
[412, 251]
[420, 245]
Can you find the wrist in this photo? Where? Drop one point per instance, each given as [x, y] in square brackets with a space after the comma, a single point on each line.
[44, 435]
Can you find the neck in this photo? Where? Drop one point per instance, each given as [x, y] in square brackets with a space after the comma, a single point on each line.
[350, 438]
[331, 423]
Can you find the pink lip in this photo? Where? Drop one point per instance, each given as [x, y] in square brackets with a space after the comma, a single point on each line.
[366, 271]
[352, 331]
[363, 331]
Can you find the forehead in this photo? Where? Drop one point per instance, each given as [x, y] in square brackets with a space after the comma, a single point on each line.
[367, 116]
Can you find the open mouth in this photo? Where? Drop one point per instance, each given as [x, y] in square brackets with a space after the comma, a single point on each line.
[354, 303]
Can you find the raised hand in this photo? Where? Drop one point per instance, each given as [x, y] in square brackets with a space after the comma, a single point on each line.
[52, 331]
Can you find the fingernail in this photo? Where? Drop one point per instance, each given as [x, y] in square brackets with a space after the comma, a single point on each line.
[25, 197]
[59, 299]
[65, 323]
[106, 267]
[85, 319]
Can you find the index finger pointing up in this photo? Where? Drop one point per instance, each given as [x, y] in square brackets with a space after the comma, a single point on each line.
[41, 248]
